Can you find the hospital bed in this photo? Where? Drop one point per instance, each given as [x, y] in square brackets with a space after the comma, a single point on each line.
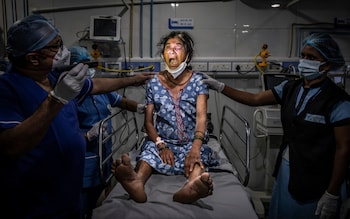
[230, 198]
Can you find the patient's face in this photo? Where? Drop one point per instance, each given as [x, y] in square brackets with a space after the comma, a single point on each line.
[174, 53]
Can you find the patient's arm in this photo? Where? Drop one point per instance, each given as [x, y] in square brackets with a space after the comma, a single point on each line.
[148, 123]
[193, 155]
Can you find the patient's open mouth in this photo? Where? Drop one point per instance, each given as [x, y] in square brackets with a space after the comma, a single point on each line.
[172, 61]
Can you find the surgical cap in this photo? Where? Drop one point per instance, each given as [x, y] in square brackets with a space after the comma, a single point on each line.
[29, 34]
[78, 54]
[327, 47]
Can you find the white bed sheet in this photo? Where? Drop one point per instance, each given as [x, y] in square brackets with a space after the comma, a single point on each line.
[229, 199]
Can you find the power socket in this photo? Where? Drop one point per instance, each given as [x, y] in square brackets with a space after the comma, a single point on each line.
[243, 67]
[220, 66]
[200, 66]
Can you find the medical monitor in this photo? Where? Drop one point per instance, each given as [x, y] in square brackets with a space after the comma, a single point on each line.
[105, 28]
[270, 80]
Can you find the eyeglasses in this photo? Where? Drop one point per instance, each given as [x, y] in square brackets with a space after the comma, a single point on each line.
[55, 47]
[176, 48]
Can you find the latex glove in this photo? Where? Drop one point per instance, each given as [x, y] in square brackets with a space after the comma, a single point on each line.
[94, 131]
[213, 84]
[327, 206]
[141, 108]
[70, 83]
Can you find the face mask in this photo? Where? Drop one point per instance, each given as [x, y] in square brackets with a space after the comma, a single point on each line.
[62, 57]
[176, 72]
[310, 69]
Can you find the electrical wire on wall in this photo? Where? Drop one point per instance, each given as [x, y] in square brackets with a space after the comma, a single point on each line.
[25, 8]
[131, 30]
[4, 24]
[151, 30]
[141, 29]
[14, 11]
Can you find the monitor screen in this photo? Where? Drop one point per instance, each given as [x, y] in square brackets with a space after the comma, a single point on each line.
[270, 80]
[105, 28]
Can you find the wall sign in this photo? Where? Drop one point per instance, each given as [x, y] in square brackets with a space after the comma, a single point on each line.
[180, 23]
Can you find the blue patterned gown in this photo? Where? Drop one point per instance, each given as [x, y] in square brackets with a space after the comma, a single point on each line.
[175, 123]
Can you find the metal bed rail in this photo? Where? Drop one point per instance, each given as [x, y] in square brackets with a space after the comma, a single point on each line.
[235, 139]
[123, 137]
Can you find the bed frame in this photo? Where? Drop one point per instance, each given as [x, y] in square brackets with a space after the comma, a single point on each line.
[125, 137]
[235, 140]
[234, 143]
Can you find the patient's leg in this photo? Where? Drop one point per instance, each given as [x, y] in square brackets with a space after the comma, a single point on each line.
[133, 182]
[199, 185]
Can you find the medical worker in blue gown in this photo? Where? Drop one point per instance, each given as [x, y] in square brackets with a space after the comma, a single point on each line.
[41, 146]
[315, 113]
[91, 111]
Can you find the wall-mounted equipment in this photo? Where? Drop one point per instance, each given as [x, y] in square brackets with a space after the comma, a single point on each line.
[106, 28]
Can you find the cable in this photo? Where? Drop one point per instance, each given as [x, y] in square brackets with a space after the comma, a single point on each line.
[257, 65]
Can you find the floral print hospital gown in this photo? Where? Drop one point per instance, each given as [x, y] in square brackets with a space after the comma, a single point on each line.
[175, 122]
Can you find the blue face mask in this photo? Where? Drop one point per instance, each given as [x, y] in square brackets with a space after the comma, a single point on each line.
[310, 69]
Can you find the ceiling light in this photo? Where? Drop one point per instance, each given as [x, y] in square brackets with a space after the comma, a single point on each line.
[275, 4]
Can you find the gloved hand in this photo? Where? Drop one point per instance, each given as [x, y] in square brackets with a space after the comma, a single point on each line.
[70, 83]
[141, 108]
[327, 206]
[94, 131]
[213, 84]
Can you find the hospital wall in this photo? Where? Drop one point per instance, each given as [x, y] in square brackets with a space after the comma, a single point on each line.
[226, 34]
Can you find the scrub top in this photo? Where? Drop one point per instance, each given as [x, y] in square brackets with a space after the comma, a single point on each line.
[92, 110]
[45, 182]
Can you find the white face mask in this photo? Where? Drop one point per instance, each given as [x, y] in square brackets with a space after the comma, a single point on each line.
[62, 57]
[176, 72]
[310, 69]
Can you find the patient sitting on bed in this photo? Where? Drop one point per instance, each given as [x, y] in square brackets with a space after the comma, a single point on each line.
[175, 122]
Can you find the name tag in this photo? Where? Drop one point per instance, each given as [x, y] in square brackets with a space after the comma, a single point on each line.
[315, 118]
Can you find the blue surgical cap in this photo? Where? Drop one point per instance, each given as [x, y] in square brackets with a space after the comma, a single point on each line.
[78, 54]
[29, 34]
[327, 47]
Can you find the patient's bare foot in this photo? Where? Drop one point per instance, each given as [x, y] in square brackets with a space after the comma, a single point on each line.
[131, 182]
[199, 187]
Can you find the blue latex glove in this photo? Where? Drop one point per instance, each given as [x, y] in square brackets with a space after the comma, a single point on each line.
[213, 84]
[327, 206]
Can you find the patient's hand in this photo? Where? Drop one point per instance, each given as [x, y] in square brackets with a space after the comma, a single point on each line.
[167, 156]
[192, 158]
